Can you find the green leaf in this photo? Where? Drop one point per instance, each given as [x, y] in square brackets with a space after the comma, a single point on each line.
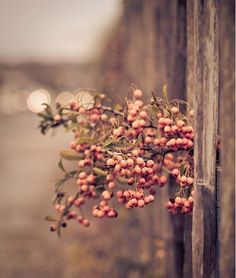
[70, 155]
[100, 180]
[99, 96]
[48, 109]
[72, 126]
[118, 108]
[42, 115]
[99, 172]
[122, 180]
[182, 169]
[164, 94]
[72, 172]
[108, 142]
[60, 182]
[111, 144]
[99, 189]
[84, 140]
[60, 165]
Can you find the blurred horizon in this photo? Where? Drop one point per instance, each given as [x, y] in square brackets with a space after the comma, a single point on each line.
[55, 32]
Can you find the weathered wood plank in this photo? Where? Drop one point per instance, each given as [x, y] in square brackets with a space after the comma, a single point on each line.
[206, 86]
[149, 50]
[187, 267]
[227, 131]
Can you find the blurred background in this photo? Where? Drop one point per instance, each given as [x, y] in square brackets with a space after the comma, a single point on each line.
[48, 50]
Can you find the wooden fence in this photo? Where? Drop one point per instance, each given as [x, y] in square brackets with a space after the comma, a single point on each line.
[188, 44]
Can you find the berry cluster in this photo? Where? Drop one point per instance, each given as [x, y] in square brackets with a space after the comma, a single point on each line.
[123, 155]
[180, 204]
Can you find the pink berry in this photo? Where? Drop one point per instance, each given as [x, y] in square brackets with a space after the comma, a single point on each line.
[190, 180]
[157, 141]
[147, 199]
[161, 121]
[73, 145]
[116, 132]
[82, 175]
[167, 121]
[130, 162]
[138, 103]
[140, 161]
[148, 140]
[175, 172]
[134, 202]
[126, 194]
[123, 163]
[135, 152]
[111, 185]
[110, 162]
[100, 213]
[187, 204]
[135, 124]
[190, 199]
[84, 187]
[82, 110]
[167, 129]
[141, 123]
[180, 123]
[137, 169]
[133, 112]
[143, 114]
[57, 118]
[163, 180]
[106, 195]
[150, 163]
[141, 203]
[151, 197]
[138, 93]
[183, 179]
[178, 201]
[91, 179]
[179, 141]
[174, 110]
[119, 194]
[104, 117]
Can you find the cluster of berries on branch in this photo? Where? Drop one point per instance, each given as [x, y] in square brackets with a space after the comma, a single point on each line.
[122, 155]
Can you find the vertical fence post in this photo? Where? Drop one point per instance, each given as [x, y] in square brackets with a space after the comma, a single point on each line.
[227, 132]
[206, 86]
[187, 268]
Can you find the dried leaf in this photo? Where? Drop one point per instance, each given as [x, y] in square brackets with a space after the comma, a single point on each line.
[49, 218]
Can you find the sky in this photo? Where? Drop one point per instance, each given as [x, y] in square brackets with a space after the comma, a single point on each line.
[54, 30]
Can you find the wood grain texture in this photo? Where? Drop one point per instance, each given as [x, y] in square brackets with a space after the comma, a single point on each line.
[227, 132]
[187, 267]
[206, 87]
[149, 50]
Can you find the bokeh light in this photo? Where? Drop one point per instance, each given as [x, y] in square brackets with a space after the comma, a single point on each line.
[84, 98]
[64, 98]
[36, 99]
